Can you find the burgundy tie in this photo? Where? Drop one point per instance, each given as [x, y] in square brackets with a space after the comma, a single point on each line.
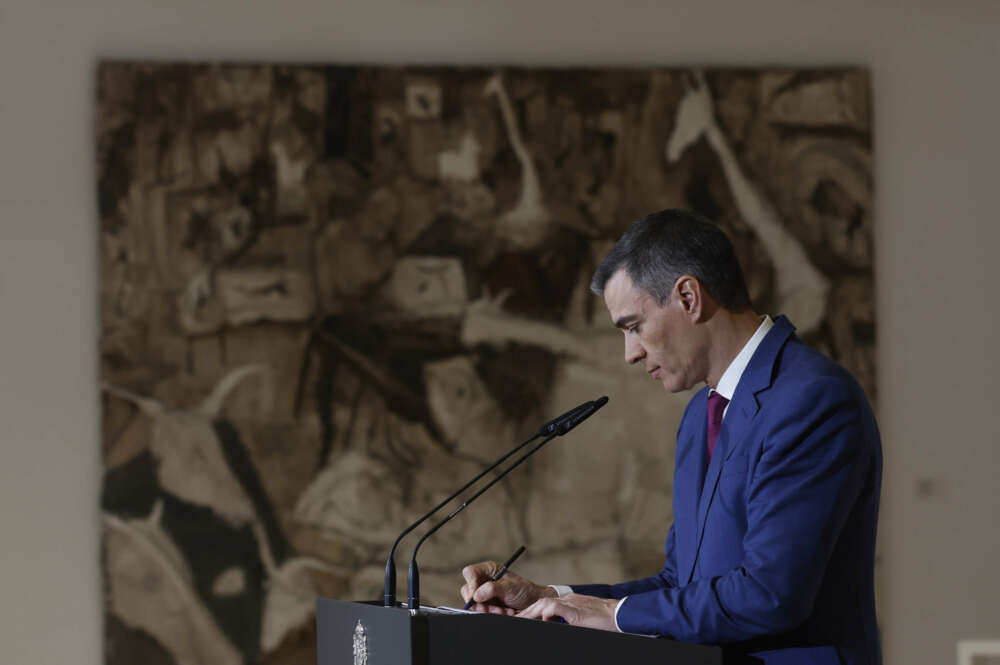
[716, 405]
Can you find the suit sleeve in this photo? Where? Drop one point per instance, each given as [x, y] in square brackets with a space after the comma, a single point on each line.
[665, 579]
[812, 468]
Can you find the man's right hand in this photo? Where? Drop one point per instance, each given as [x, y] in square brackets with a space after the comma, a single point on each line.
[508, 595]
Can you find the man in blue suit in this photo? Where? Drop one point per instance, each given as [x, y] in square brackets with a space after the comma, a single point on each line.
[777, 476]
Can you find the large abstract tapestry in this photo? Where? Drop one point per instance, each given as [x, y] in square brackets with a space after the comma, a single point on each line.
[329, 295]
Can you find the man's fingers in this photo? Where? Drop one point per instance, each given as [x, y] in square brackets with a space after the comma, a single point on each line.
[546, 609]
[533, 611]
[468, 592]
[476, 573]
[485, 592]
[490, 608]
[555, 610]
[575, 610]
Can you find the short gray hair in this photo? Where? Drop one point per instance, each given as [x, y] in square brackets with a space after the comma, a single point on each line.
[661, 247]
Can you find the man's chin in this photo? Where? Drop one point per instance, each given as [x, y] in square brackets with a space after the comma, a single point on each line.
[672, 385]
[677, 384]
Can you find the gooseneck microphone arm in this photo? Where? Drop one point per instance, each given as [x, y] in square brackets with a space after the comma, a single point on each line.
[565, 423]
[389, 596]
[389, 591]
[413, 577]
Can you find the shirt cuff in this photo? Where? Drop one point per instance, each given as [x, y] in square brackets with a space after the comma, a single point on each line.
[618, 607]
[561, 589]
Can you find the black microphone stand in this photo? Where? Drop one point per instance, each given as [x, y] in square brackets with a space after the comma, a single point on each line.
[413, 577]
[389, 591]
[556, 427]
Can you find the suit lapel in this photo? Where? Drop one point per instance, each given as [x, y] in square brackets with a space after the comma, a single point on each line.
[730, 436]
[742, 410]
[689, 478]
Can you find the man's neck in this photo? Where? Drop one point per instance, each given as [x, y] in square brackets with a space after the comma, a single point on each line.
[729, 332]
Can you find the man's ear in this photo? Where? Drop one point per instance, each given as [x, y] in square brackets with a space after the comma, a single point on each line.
[690, 296]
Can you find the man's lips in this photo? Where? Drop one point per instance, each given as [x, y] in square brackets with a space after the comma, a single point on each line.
[653, 372]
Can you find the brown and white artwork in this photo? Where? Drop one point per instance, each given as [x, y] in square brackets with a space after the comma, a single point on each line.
[331, 294]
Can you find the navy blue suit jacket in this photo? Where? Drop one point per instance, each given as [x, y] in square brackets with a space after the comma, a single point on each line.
[773, 545]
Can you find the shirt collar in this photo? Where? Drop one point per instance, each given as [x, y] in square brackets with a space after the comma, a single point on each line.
[731, 377]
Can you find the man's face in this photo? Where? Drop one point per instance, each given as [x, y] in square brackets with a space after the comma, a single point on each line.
[663, 338]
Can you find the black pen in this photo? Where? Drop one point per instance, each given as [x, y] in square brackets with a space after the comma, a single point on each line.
[500, 571]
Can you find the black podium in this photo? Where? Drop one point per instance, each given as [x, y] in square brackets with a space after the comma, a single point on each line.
[369, 634]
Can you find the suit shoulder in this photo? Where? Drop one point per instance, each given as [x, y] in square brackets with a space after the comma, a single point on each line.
[798, 363]
[803, 374]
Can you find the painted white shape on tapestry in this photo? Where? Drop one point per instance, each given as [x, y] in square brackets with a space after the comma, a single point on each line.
[290, 179]
[191, 464]
[353, 495]
[258, 294]
[151, 589]
[230, 582]
[234, 148]
[461, 164]
[458, 398]
[466, 412]
[486, 322]
[199, 311]
[291, 599]
[802, 289]
[427, 286]
[527, 218]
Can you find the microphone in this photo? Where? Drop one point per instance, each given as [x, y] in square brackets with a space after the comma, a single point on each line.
[581, 413]
[566, 422]
[389, 591]
[555, 424]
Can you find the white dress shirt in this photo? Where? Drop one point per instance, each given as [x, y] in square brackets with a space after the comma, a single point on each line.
[727, 386]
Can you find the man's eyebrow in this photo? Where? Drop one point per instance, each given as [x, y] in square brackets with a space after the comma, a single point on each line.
[626, 320]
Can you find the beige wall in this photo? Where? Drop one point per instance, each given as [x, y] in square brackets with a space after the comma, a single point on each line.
[937, 104]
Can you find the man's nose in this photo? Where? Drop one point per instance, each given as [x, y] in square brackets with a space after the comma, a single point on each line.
[633, 351]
